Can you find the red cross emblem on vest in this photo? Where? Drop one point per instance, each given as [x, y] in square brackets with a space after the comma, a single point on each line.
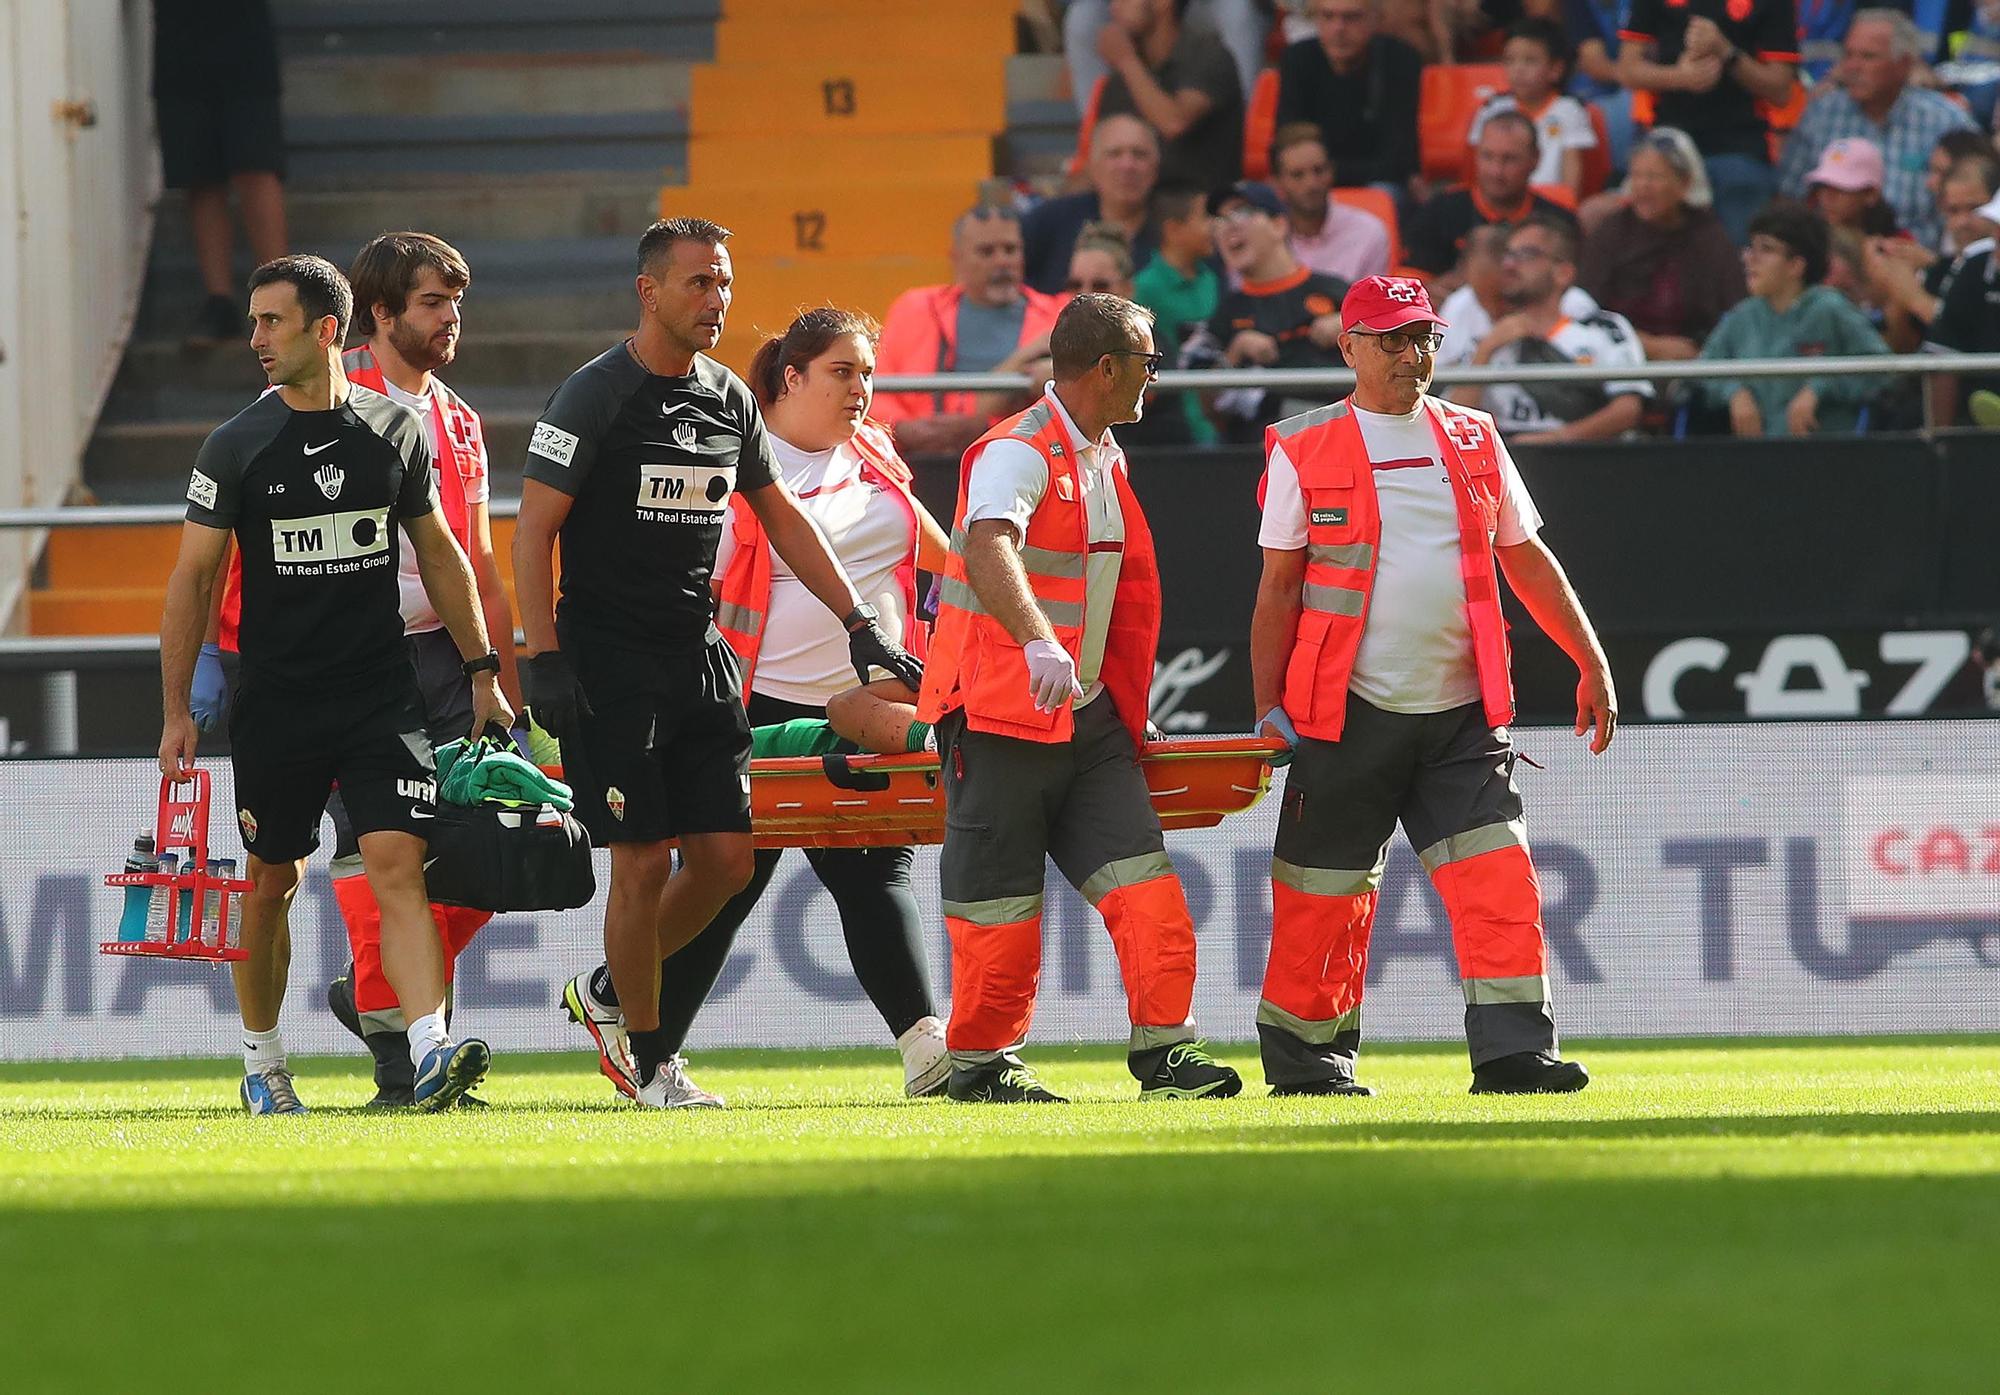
[459, 430]
[1465, 433]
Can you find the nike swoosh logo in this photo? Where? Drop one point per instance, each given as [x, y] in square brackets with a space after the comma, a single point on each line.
[315, 450]
[420, 814]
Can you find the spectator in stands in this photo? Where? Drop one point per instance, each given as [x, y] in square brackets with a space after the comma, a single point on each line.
[1101, 262]
[1593, 27]
[1327, 235]
[1967, 321]
[984, 320]
[1505, 157]
[1182, 290]
[1789, 314]
[1952, 147]
[1714, 67]
[1908, 279]
[1181, 82]
[216, 99]
[1662, 259]
[1282, 315]
[1469, 312]
[1240, 24]
[1845, 188]
[1537, 59]
[1540, 269]
[1877, 101]
[1361, 89]
[1124, 165]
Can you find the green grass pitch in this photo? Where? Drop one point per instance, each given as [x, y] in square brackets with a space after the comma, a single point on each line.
[1755, 1216]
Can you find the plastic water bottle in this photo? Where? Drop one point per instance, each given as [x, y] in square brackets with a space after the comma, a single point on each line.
[138, 899]
[156, 904]
[228, 873]
[211, 904]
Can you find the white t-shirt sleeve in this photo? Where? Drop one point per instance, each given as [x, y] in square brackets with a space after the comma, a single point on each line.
[1621, 349]
[1572, 128]
[1008, 480]
[725, 549]
[1519, 519]
[1284, 525]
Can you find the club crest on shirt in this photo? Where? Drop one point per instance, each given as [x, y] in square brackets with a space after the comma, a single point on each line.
[329, 477]
[685, 436]
[614, 800]
[247, 821]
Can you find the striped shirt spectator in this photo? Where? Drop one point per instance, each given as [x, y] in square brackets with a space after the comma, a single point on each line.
[1879, 104]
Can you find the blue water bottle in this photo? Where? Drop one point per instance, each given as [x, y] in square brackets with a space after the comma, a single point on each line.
[132, 924]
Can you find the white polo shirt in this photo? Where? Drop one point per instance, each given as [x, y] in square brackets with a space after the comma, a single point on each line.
[1009, 478]
[1416, 652]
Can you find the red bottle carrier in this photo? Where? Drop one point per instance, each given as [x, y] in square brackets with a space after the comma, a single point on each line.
[183, 827]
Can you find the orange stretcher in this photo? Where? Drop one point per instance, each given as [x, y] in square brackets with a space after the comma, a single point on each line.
[888, 801]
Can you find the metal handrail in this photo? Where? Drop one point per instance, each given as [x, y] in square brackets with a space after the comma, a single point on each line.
[1308, 380]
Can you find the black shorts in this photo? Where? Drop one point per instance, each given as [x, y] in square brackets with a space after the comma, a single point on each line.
[666, 751]
[289, 752]
[204, 140]
[447, 697]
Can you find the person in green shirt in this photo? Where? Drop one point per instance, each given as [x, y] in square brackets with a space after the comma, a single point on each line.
[1179, 285]
[1789, 314]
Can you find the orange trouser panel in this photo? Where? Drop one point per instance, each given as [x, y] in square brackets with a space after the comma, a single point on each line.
[1153, 935]
[1319, 952]
[994, 972]
[1495, 905]
[456, 925]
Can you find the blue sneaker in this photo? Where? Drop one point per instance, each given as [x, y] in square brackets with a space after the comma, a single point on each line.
[270, 1092]
[449, 1071]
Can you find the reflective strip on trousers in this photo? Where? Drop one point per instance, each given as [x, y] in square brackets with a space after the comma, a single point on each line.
[1326, 881]
[1474, 842]
[1333, 600]
[1061, 614]
[1358, 557]
[1126, 871]
[999, 910]
[1484, 992]
[739, 618]
[1269, 1014]
[1046, 561]
[1153, 1038]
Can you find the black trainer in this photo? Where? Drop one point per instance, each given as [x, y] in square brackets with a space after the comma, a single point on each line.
[1003, 1080]
[340, 1002]
[1183, 1071]
[1340, 1085]
[1529, 1073]
[219, 321]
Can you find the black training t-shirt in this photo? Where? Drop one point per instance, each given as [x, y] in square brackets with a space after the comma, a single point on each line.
[315, 499]
[650, 463]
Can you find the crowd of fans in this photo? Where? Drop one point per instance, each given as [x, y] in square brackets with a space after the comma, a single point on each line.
[1649, 180]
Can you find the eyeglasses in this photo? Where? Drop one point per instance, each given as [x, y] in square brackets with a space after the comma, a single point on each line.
[1101, 286]
[1527, 254]
[1152, 360]
[1396, 341]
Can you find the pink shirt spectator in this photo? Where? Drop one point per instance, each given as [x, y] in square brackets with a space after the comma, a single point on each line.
[1350, 244]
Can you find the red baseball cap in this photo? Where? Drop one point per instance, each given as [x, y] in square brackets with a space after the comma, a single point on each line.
[1378, 304]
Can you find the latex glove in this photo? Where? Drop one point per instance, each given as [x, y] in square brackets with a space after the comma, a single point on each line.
[1051, 674]
[554, 695]
[869, 645]
[1277, 724]
[210, 699]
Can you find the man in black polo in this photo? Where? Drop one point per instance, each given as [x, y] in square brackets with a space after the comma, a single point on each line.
[632, 464]
[1499, 194]
[312, 479]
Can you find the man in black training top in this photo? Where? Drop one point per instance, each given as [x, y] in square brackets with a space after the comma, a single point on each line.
[312, 478]
[633, 463]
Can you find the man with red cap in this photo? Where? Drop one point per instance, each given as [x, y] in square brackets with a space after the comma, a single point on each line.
[1379, 654]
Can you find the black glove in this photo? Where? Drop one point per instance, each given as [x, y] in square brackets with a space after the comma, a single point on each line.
[549, 684]
[871, 648]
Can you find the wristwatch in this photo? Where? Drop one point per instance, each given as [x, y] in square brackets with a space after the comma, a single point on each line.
[861, 616]
[489, 662]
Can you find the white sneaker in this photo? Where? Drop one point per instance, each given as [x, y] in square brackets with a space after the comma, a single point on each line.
[670, 1088]
[926, 1062]
[606, 1026]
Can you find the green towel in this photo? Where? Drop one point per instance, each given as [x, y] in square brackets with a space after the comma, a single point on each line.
[495, 775]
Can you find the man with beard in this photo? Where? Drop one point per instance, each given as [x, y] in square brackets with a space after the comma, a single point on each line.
[1537, 270]
[983, 321]
[408, 289]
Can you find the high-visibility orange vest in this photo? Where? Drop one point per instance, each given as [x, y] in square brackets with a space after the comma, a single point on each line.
[743, 591]
[1344, 536]
[920, 336]
[456, 455]
[976, 665]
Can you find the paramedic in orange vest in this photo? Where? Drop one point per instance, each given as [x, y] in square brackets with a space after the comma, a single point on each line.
[1378, 652]
[1037, 681]
[813, 384]
[407, 290]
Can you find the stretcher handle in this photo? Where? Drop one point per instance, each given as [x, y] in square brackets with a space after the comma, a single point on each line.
[842, 775]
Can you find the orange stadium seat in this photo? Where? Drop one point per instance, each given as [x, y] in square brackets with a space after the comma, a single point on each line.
[829, 217]
[1451, 95]
[1260, 123]
[757, 160]
[1370, 200]
[814, 97]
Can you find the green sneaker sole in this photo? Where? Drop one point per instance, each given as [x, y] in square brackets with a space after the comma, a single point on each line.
[1220, 1090]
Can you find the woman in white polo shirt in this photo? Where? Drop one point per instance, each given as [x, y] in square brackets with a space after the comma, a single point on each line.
[814, 384]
